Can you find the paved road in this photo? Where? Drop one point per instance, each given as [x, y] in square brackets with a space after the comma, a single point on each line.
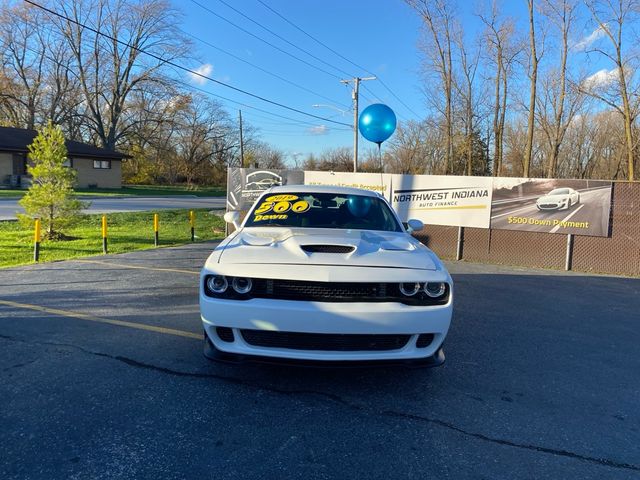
[9, 207]
[593, 208]
[542, 380]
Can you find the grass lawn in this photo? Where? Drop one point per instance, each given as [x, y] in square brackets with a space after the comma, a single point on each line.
[127, 190]
[126, 232]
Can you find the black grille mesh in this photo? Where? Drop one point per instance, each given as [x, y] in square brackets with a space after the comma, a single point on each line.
[297, 290]
[328, 248]
[324, 341]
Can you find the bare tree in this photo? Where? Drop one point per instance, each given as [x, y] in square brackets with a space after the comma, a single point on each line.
[611, 18]
[558, 104]
[503, 52]
[335, 160]
[201, 126]
[406, 152]
[263, 155]
[111, 65]
[438, 18]
[532, 92]
[466, 86]
[23, 58]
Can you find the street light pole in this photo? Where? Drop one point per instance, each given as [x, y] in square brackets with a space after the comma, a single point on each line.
[356, 85]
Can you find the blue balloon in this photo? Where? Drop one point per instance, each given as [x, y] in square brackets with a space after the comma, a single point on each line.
[377, 122]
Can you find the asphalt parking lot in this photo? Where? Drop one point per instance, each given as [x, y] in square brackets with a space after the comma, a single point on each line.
[102, 376]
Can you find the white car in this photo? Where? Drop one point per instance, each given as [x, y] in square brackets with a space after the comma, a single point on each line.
[558, 199]
[327, 275]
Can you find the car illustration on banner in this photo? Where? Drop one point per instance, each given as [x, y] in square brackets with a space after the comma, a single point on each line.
[262, 180]
[327, 275]
[558, 199]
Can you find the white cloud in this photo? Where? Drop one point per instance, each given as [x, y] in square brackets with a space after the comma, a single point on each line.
[205, 70]
[586, 42]
[319, 130]
[601, 79]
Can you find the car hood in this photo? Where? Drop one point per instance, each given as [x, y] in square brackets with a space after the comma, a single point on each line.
[277, 245]
[553, 198]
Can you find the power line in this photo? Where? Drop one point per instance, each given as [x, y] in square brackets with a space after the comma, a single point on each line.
[377, 98]
[312, 37]
[193, 87]
[188, 70]
[338, 54]
[262, 39]
[275, 75]
[284, 39]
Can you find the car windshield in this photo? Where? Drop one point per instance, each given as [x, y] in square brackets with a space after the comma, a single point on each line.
[559, 191]
[323, 210]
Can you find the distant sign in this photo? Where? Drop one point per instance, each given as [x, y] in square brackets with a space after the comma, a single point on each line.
[580, 207]
[245, 185]
[377, 182]
[443, 200]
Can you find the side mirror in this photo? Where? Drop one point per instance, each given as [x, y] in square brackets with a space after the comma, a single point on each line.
[233, 217]
[414, 225]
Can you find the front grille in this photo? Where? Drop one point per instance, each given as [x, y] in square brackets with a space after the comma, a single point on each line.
[328, 248]
[338, 292]
[318, 291]
[549, 205]
[324, 341]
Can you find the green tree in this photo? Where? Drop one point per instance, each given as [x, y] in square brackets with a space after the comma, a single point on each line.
[50, 196]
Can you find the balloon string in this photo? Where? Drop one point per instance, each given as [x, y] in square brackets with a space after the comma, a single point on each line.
[381, 169]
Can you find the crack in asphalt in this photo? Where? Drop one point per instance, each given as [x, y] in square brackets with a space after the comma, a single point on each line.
[508, 443]
[18, 365]
[341, 401]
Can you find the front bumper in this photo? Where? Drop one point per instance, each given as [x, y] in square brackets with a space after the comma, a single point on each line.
[553, 205]
[387, 318]
[212, 353]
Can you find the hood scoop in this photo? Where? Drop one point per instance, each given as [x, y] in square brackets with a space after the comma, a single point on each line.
[328, 248]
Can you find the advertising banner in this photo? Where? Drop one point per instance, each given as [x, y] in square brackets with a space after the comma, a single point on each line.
[245, 185]
[442, 199]
[580, 207]
[377, 182]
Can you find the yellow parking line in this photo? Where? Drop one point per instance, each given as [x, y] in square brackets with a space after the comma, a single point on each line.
[93, 318]
[138, 267]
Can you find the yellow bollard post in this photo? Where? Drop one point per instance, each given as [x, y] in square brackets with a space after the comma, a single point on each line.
[155, 229]
[36, 241]
[192, 222]
[104, 234]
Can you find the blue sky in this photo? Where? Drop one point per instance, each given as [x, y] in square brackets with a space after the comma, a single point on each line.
[379, 35]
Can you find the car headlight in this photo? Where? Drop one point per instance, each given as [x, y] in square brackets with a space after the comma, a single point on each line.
[242, 285]
[409, 289]
[435, 289]
[217, 284]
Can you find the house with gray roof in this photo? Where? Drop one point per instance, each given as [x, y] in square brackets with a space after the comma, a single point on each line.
[95, 167]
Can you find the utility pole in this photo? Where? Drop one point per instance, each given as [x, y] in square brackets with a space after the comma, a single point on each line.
[356, 85]
[241, 142]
